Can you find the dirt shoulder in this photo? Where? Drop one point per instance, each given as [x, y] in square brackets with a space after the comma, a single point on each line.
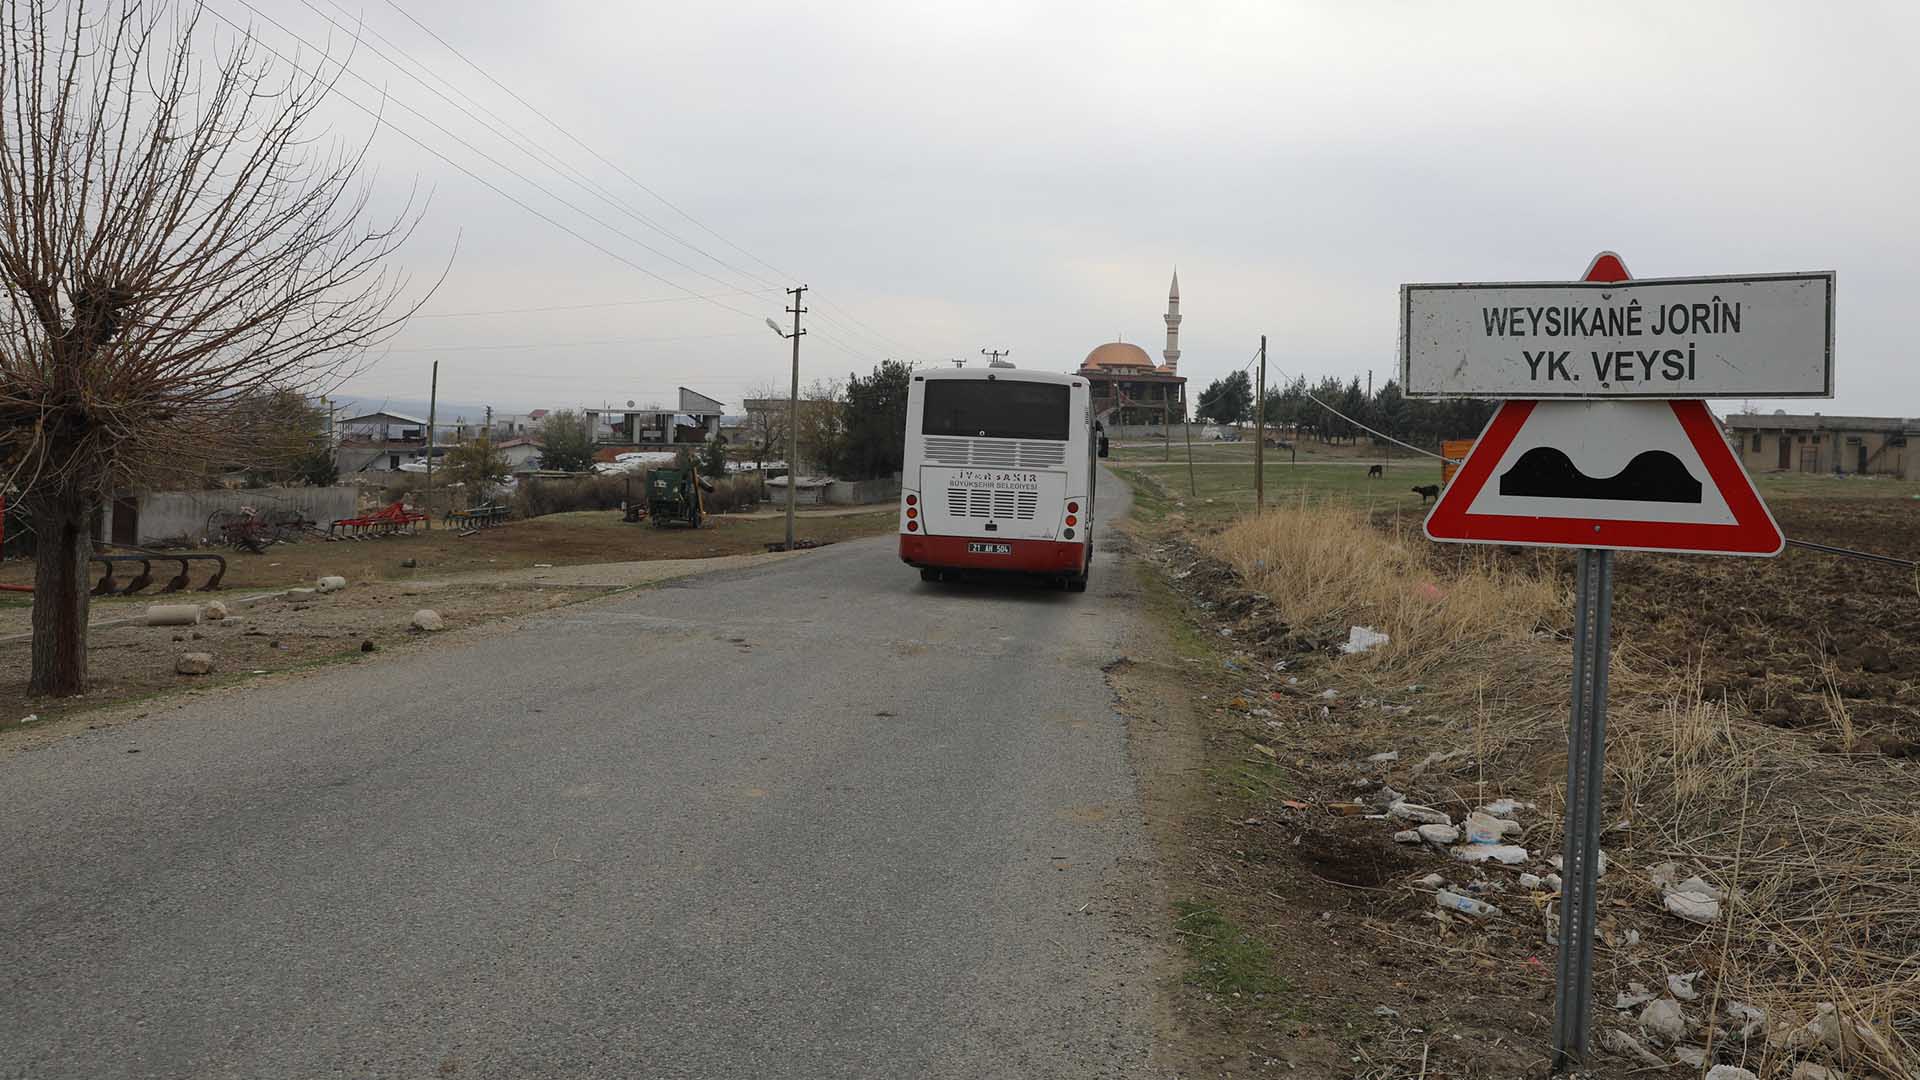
[1760, 737]
[518, 569]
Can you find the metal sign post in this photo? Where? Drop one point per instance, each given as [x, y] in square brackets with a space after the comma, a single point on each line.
[1599, 474]
[1586, 768]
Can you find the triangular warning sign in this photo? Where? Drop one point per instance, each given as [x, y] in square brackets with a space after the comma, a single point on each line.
[1627, 475]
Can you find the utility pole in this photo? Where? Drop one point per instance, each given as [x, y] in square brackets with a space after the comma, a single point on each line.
[793, 406]
[488, 433]
[993, 356]
[1260, 433]
[433, 400]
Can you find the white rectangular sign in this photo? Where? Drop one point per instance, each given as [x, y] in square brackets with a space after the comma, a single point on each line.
[1768, 335]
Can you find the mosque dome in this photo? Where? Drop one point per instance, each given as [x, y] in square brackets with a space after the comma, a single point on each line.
[1118, 354]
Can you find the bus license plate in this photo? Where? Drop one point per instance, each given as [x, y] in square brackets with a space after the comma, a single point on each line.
[989, 549]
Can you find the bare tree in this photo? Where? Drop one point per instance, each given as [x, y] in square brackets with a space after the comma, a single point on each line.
[172, 246]
[767, 426]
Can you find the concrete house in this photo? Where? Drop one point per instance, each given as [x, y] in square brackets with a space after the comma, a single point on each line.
[1792, 442]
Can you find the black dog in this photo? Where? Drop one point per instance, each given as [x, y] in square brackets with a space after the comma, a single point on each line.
[1427, 491]
[1374, 470]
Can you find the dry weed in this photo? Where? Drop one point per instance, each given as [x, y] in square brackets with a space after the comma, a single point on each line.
[1325, 568]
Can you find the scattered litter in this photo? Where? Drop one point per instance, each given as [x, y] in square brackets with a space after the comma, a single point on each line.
[1438, 835]
[1346, 809]
[1681, 986]
[1505, 808]
[1530, 881]
[1750, 1019]
[1397, 710]
[1635, 995]
[1383, 757]
[1693, 900]
[428, 620]
[1552, 882]
[543, 566]
[1826, 1031]
[1453, 901]
[1264, 749]
[1407, 836]
[300, 594]
[1663, 1021]
[1363, 639]
[1433, 881]
[1633, 938]
[1599, 864]
[30, 718]
[1510, 854]
[1427, 590]
[1425, 815]
[1436, 758]
[1695, 1056]
[1622, 1043]
[1483, 828]
[1295, 804]
[1383, 1011]
[330, 583]
[1329, 694]
[1730, 1072]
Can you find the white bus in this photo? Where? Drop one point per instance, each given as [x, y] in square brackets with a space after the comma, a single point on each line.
[998, 474]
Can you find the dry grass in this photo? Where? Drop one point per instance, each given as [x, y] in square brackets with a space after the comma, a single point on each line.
[1325, 568]
[1817, 850]
[1815, 838]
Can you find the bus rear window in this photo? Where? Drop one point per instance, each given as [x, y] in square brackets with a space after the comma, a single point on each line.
[996, 409]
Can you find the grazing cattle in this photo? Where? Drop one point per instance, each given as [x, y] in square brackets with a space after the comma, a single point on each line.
[1374, 470]
[1426, 492]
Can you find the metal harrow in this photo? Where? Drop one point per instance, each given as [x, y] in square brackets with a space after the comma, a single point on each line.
[109, 585]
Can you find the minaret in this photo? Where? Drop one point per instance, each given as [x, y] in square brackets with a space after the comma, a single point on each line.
[1173, 326]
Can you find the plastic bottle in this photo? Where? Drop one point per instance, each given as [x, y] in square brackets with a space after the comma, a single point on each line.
[1453, 901]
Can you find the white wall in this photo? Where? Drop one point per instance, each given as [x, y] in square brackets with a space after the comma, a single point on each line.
[168, 514]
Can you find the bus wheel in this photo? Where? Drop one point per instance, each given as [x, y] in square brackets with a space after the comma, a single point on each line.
[928, 573]
[1077, 584]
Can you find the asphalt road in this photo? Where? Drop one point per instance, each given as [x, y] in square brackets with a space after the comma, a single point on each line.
[814, 819]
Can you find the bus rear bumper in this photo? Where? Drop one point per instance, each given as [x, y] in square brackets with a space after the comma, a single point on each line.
[1027, 556]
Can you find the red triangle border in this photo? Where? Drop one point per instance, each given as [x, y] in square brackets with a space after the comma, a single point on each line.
[1753, 531]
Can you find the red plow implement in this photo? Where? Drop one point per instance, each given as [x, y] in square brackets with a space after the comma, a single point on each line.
[393, 519]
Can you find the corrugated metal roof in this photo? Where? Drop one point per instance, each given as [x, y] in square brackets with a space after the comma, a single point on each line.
[1816, 422]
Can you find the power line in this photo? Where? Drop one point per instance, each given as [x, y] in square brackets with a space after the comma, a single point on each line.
[634, 180]
[562, 344]
[552, 161]
[550, 121]
[489, 158]
[584, 307]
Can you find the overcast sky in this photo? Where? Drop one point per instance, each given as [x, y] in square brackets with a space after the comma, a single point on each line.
[1025, 176]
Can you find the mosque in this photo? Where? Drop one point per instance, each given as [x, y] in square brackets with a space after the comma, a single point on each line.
[1128, 387]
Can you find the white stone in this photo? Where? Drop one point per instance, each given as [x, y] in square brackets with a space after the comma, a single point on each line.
[215, 610]
[428, 620]
[194, 663]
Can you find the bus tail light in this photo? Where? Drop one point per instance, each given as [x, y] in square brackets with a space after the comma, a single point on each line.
[912, 499]
[912, 513]
[1071, 520]
[1069, 534]
[913, 526]
[1073, 508]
